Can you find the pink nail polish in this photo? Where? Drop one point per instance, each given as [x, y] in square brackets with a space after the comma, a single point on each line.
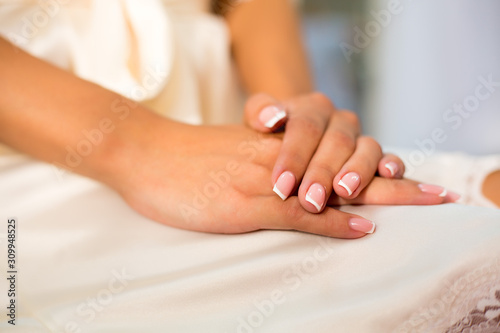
[359, 224]
[316, 195]
[270, 115]
[350, 182]
[433, 189]
[452, 197]
[284, 185]
[392, 167]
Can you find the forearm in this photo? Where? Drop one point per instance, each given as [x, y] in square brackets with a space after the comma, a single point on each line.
[267, 48]
[491, 187]
[59, 118]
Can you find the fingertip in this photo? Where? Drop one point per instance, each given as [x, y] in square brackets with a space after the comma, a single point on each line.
[315, 198]
[331, 222]
[347, 186]
[254, 107]
[362, 225]
[285, 184]
[452, 197]
[391, 167]
[272, 117]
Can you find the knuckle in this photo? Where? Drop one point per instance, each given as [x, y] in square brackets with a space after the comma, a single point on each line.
[309, 126]
[295, 215]
[321, 169]
[343, 139]
[398, 188]
[321, 99]
[294, 158]
[330, 224]
[352, 118]
[372, 143]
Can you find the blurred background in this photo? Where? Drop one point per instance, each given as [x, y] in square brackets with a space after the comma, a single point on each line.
[423, 75]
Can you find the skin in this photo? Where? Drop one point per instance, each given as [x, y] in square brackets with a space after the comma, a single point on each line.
[277, 64]
[321, 143]
[160, 166]
[491, 187]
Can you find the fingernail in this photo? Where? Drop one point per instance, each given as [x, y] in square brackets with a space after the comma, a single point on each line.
[359, 224]
[316, 195]
[350, 182]
[284, 185]
[452, 196]
[270, 115]
[433, 189]
[392, 167]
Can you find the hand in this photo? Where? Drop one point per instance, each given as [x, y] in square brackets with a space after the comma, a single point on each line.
[322, 149]
[214, 179]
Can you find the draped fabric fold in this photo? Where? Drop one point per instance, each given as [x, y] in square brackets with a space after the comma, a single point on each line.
[174, 56]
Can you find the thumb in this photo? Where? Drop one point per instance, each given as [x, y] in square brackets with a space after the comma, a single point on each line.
[264, 113]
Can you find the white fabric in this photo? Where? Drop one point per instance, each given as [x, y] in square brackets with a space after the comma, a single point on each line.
[458, 172]
[88, 263]
[170, 54]
[423, 270]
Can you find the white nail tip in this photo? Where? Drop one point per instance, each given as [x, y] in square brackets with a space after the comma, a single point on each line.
[389, 167]
[309, 199]
[444, 193]
[341, 183]
[278, 192]
[372, 229]
[274, 120]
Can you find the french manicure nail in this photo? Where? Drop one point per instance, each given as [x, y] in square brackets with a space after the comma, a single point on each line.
[270, 115]
[452, 196]
[433, 189]
[350, 182]
[316, 195]
[284, 185]
[392, 167]
[359, 224]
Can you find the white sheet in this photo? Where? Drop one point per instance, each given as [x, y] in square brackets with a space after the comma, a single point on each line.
[424, 269]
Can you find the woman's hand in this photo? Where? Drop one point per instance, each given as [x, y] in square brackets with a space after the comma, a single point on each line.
[322, 149]
[215, 179]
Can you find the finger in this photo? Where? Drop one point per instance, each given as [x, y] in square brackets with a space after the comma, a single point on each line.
[391, 166]
[290, 215]
[384, 191]
[306, 124]
[336, 147]
[359, 170]
[264, 113]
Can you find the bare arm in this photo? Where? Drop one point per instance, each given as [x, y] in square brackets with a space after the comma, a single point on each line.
[491, 187]
[158, 165]
[47, 113]
[322, 150]
[268, 49]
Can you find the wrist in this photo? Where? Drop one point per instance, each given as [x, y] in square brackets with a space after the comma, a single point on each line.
[116, 143]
